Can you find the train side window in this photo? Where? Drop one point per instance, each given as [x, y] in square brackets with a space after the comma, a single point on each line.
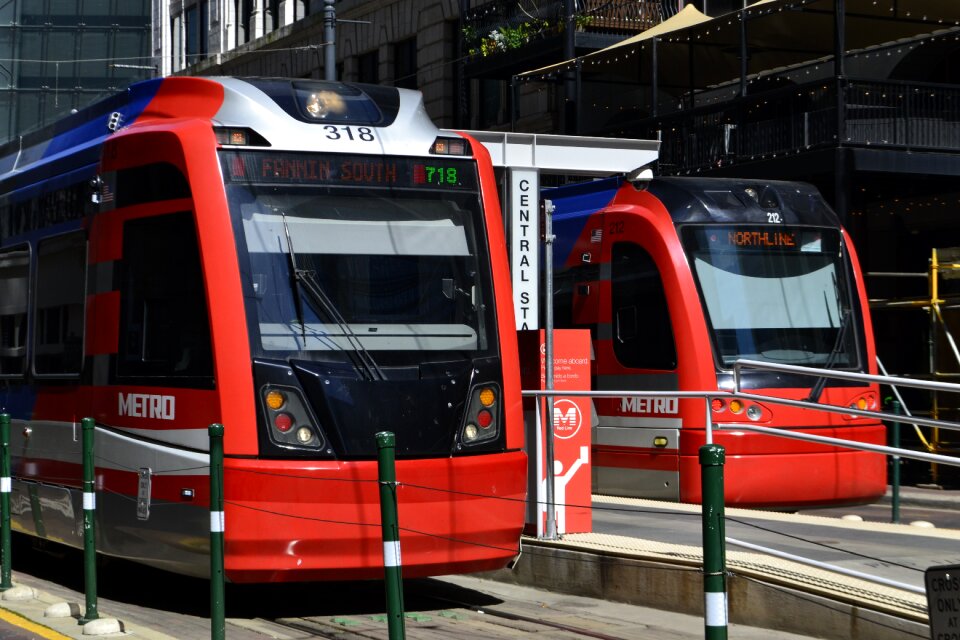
[164, 325]
[14, 298]
[60, 313]
[642, 331]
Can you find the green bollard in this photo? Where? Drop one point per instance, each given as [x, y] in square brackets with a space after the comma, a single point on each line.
[218, 619]
[89, 523]
[714, 554]
[895, 471]
[5, 486]
[393, 580]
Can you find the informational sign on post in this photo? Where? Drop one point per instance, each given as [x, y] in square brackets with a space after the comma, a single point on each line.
[570, 430]
[943, 601]
[524, 246]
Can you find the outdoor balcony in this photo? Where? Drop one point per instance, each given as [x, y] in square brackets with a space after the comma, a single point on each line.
[504, 37]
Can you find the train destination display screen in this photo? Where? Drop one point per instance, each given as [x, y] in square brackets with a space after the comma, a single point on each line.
[265, 167]
[804, 240]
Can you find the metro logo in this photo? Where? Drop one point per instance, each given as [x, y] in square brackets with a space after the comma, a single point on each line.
[144, 405]
[566, 418]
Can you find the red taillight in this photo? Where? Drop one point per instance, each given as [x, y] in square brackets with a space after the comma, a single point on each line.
[484, 419]
[283, 422]
[717, 404]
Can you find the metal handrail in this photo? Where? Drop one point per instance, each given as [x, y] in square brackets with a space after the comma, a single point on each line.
[707, 396]
[738, 365]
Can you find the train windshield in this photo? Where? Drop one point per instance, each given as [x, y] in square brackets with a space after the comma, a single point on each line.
[398, 273]
[780, 295]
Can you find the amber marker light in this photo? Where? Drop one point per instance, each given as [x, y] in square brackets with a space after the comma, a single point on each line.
[487, 397]
[275, 400]
[736, 406]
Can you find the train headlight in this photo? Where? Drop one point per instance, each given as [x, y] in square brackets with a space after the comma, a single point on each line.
[482, 421]
[754, 412]
[470, 433]
[304, 435]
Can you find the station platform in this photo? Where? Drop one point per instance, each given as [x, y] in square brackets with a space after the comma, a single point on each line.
[647, 554]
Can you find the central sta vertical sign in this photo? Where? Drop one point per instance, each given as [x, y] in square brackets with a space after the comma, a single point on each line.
[524, 244]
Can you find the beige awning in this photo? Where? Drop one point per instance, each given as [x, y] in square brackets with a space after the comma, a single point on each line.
[695, 52]
[687, 17]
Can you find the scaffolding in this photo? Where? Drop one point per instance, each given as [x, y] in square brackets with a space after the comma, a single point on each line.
[944, 264]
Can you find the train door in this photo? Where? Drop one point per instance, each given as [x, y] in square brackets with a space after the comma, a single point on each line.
[156, 343]
[636, 443]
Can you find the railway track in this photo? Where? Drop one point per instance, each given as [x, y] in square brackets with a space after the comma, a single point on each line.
[445, 610]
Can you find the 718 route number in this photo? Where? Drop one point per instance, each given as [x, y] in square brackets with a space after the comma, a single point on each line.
[346, 132]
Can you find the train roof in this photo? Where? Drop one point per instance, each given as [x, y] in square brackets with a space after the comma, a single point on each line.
[288, 114]
[705, 200]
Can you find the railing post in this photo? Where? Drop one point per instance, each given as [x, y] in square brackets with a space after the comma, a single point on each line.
[89, 523]
[714, 555]
[393, 579]
[217, 606]
[895, 470]
[5, 487]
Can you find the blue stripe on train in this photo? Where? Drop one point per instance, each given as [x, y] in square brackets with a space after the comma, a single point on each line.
[19, 401]
[574, 204]
[90, 124]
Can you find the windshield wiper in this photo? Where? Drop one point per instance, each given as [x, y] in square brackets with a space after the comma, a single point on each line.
[306, 280]
[817, 389]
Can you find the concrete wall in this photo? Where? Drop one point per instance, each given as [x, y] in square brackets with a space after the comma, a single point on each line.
[679, 587]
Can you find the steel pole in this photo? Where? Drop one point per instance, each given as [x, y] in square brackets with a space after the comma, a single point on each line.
[895, 470]
[330, 41]
[393, 579]
[89, 523]
[218, 622]
[6, 562]
[548, 440]
[714, 554]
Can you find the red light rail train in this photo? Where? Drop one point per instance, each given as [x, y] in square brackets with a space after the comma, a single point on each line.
[307, 263]
[677, 278]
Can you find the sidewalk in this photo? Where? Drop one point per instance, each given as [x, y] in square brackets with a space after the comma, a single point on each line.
[925, 496]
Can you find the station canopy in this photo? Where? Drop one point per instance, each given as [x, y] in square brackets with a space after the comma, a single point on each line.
[694, 52]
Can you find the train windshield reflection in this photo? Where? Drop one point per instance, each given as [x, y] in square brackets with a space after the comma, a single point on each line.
[779, 294]
[403, 270]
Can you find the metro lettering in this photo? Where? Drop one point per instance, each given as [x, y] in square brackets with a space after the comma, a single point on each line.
[650, 405]
[143, 405]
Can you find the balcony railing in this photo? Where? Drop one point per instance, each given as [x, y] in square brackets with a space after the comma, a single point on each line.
[894, 115]
[496, 26]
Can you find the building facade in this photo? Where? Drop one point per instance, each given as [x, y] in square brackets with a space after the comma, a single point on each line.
[58, 55]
